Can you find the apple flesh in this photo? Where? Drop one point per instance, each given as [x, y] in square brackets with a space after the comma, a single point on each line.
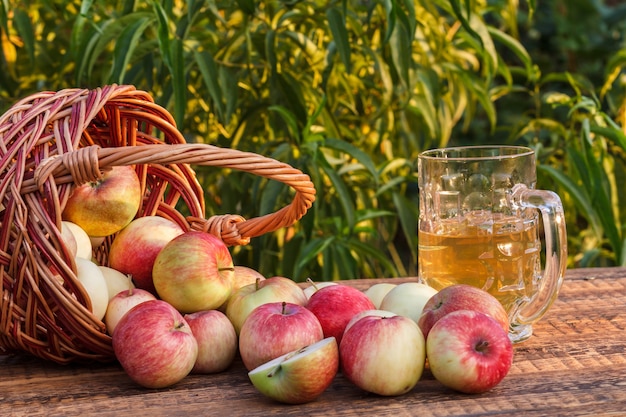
[155, 345]
[104, 207]
[135, 248]
[461, 297]
[273, 329]
[217, 341]
[335, 305]
[469, 351]
[408, 299]
[384, 355]
[300, 376]
[194, 272]
[251, 296]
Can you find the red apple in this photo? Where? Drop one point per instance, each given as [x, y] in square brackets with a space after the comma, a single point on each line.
[335, 305]
[249, 297]
[155, 345]
[121, 303]
[384, 355]
[135, 248]
[461, 297]
[469, 351]
[300, 376]
[217, 341]
[194, 272]
[104, 207]
[273, 329]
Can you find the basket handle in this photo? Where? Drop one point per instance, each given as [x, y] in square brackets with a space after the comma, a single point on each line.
[87, 163]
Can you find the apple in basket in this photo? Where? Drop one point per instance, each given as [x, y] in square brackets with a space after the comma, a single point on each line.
[104, 207]
[71, 231]
[122, 303]
[217, 341]
[154, 344]
[194, 272]
[300, 376]
[94, 283]
[249, 297]
[135, 248]
[273, 329]
[469, 351]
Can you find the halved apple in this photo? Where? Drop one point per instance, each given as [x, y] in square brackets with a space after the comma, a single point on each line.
[300, 376]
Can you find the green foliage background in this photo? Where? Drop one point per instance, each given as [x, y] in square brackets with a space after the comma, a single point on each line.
[350, 92]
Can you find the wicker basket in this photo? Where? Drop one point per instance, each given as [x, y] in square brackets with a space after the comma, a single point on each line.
[53, 140]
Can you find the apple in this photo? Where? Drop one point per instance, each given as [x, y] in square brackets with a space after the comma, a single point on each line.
[115, 280]
[314, 286]
[244, 276]
[135, 248]
[121, 303]
[377, 292]
[217, 341]
[408, 299]
[335, 305]
[300, 376]
[461, 297]
[83, 243]
[249, 297]
[92, 280]
[69, 239]
[365, 313]
[154, 344]
[105, 206]
[384, 355]
[194, 272]
[273, 329]
[469, 351]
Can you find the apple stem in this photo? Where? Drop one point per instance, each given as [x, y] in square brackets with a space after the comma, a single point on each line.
[228, 268]
[310, 281]
[482, 346]
[284, 308]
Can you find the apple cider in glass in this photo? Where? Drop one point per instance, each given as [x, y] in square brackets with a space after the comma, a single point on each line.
[502, 257]
[479, 222]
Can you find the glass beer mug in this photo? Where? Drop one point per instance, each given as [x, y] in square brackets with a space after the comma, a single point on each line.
[479, 224]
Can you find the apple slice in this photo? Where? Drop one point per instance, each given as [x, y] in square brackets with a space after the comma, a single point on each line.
[300, 376]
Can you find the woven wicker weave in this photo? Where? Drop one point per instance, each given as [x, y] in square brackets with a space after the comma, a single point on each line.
[50, 142]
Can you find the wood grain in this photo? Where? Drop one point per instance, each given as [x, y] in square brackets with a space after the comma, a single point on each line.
[573, 365]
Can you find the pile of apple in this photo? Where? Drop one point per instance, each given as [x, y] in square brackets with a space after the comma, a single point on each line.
[174, 304]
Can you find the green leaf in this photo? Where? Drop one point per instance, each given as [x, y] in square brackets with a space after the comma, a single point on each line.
[340, 189]
[27, 33]
[311, 251]
[615, 135]
[408, 213]
[513, 45]
[124, 48]
[337, 26]
[362, 157]
[210, 76]
[247, 6]
[289, 119]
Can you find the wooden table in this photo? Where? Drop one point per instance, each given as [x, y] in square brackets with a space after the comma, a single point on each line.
[573, 365]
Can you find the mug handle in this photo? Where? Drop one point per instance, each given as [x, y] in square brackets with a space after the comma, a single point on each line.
[551, 208]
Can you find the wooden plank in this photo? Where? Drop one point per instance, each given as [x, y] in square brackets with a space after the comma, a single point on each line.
[574, 365]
